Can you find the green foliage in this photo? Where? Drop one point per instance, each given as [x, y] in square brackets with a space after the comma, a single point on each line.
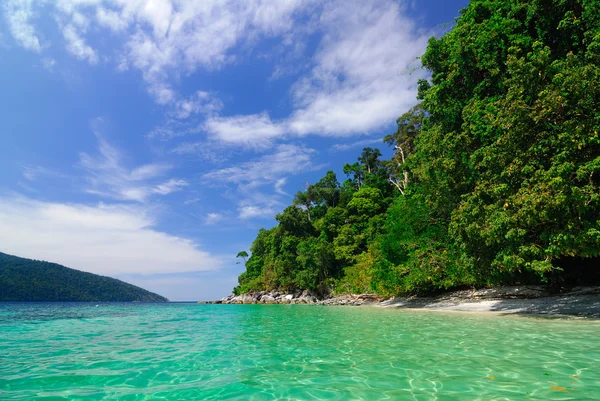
[512, 142]
[495, 176]
[27, 280]
[358, 278]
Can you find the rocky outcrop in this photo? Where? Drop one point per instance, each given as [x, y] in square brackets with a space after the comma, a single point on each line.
[511, 298]
[304, 297]
[352, 300]
[272, 297]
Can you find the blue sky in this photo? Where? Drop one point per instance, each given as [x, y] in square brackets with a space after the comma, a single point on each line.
[149, 140]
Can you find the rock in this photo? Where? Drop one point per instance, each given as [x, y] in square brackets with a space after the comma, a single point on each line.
[267, 299]
[285, 299]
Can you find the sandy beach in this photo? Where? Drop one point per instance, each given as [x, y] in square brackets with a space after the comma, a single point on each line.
[579, 302]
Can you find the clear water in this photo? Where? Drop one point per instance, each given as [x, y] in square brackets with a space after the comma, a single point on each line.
[290, 352]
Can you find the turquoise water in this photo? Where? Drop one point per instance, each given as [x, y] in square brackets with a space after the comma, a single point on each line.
[290, 352]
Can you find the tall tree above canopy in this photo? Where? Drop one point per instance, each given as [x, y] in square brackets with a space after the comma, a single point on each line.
[366, 169]
[510, 151]
[369, 159]
[409, 125]
[327, 190]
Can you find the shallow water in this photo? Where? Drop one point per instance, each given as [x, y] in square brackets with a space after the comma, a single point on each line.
[290, 352]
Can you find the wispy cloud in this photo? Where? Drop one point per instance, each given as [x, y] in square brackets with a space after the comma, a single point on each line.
[148, 171]
[357, 80]
[252, 212]
[250, 177]
[173, 185]
[48, 63]
[341, 147]
[109, 178]
[257, 204]
[19, 15]
[279, 185]
[103, 239]
[33, 173]
[213, 218]
[199, 103]
[252, 130]
[208, 151]
[77, 46]
[285, 160]
[359, 83]
[160, 38]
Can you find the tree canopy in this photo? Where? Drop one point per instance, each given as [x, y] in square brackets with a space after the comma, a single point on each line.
[495, 176]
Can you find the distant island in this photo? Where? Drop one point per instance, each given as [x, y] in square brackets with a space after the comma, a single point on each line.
[28, 280]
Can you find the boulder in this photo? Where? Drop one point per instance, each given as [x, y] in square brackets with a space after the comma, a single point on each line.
[267, 299]
[248, 299]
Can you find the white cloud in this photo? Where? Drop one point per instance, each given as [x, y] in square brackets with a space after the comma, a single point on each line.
[103, 239]
[111, 19]
[360, 81]
[279, 185]
[77, 46]
[199, 102]
[213, 218]
[108, 177]
[32, 173]
[167, 131]
[361, 66]
[271, 169]
[285, 160]
[356, 82]
[170, 186]
[161, 38]
[253, 130]
[19, 15]
[148, 171]
[48, 63]
[252, 212]
[208, 151]
[254, 203]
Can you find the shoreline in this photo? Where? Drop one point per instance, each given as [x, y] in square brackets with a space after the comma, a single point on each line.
[582, 302]
[580, 306]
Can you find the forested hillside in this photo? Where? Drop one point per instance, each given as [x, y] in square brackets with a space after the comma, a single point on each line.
[495, 178]
[32, 280]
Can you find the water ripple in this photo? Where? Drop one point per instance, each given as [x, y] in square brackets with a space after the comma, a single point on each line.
[289, 352]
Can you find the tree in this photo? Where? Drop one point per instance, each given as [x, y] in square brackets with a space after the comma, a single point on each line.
[409, 126]
[510, 151]
[355, 172]
[495, 176]
[369, 159]
[243, 255]
[327, 190]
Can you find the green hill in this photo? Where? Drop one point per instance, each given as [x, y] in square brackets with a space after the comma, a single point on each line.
[33, 280]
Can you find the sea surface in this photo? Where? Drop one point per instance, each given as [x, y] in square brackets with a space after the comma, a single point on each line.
[174, 352]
